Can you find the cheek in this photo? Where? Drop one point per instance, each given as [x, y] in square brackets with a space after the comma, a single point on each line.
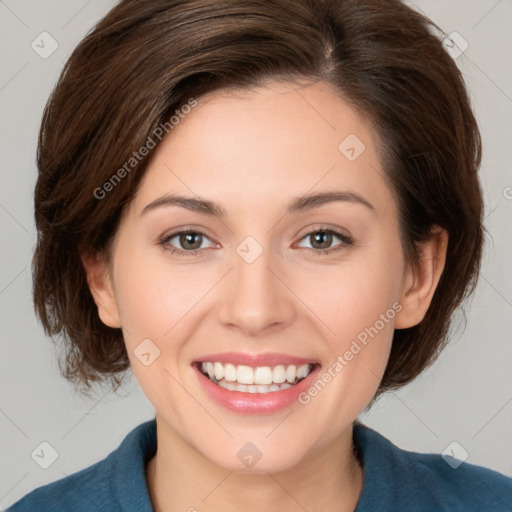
[352, 295]
[356, 311]
[356, 303]
[153, 296]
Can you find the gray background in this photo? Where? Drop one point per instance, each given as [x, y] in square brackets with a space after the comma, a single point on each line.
[465, 397]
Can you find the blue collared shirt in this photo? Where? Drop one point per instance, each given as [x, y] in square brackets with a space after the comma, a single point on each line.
[394, 480]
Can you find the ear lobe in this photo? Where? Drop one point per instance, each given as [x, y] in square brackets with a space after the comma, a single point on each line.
[98, 278]
[421, 282]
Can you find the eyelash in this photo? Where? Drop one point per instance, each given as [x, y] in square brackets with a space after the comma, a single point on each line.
[347, 241]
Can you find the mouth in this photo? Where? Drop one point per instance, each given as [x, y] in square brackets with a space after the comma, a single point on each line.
[255, 380]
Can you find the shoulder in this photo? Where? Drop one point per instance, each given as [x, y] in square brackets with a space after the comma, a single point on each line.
[103, 485]
[81, 491]
[460, 487]
[419, 481]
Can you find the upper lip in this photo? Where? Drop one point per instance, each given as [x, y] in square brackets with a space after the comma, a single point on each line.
[244, 358]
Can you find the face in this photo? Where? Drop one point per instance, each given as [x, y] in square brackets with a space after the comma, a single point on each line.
[273, 279]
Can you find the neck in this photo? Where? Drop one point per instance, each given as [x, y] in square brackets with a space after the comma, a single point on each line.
[181, 479]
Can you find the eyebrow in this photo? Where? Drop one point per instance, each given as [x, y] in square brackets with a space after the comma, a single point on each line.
[298, 204]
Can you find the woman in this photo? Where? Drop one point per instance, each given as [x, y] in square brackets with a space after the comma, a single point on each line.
[269, 211]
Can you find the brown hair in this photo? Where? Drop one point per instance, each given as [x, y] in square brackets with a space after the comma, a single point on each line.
[145, 60]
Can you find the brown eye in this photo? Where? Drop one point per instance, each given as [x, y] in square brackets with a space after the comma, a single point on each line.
[188, 242]
[321, 240]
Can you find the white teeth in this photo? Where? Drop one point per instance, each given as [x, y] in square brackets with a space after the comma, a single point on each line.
[263, 375]
[233, 386]
[219, 371]
[291, 373]
[230, 372]
[244, 374]
[279, 374]
[303, 371]
[261, 379]
[227, 385]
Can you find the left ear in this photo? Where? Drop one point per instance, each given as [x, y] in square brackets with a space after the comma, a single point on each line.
[98, 278]
[421, 282]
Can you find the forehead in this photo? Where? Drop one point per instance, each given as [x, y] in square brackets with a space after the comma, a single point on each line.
[281, 139]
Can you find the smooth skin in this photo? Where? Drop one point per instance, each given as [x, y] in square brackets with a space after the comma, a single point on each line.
[252, 153]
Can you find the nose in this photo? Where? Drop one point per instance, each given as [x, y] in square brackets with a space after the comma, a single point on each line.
[257, 297]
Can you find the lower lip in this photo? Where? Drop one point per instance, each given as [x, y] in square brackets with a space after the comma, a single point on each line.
[255, 403]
